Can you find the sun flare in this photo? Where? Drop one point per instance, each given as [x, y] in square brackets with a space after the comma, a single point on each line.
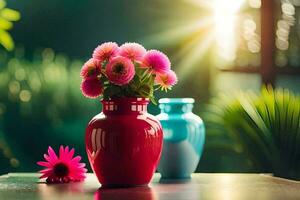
[218, 28]
[225, 18]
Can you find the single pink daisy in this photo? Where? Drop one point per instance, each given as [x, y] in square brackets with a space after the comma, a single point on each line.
[133, 51]
[63, 168]
[91, 87]
[91, 67]
[120, 70]
[106, 51]
[156, 61]
[166, 80]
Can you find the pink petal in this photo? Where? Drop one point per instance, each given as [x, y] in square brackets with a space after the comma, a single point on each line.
[133, 51]
[46, 175]
[91, 87]
[123, 76]
[82, 165]
[47, 158]
[77, 169]
[44, 164]
[52, 153]
[66, 151]
[71, 154]
[45, 171]
[61, 152]
[157, 61]
[76, 159]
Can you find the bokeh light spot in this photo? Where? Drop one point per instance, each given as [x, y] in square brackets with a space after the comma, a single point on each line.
[14, 162]
[255, 3]
[20, 74]
[25, 95]
[288, 8]
[14, 87]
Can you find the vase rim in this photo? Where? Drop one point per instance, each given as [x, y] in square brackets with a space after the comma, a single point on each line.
[176, 100]
[125, 105]
[126, 99]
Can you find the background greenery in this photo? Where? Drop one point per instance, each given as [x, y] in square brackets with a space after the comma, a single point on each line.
[40, 100]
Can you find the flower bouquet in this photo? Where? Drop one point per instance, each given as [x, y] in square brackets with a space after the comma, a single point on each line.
[124, 141]
[126, 71]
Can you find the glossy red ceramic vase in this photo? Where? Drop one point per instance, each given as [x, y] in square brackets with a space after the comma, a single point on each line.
[124, 143]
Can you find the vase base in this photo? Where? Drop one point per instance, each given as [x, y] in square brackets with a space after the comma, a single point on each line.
[175, 179]
[122, 186]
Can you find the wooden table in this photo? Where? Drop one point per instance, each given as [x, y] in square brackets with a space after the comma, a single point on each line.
[202, 186]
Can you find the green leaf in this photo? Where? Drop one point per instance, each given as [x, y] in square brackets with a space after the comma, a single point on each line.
[10, 14]
[5, 25]
[153, 100]
[103, 79]
[6, 40]
[138, 70]
[144, 90]
[267, 126]
[2, 4]
[112, 91]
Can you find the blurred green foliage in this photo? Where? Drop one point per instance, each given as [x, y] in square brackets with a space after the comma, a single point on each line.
[41, 105]
[7, 16]
[265, 128]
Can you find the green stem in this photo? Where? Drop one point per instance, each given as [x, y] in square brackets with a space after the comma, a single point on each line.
[146, 75]
[157, 88]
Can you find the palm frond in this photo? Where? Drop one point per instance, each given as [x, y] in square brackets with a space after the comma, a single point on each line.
[265, 125]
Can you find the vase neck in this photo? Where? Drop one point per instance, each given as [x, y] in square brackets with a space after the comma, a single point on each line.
[176, 105]
[126, 106]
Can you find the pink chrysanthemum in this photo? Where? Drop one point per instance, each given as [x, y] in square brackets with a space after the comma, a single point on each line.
[120, 70]
[133, 51]
[106, 51]
[63, 168]
[91, 87]
[166, 80]
[90, 68]
[156, 61]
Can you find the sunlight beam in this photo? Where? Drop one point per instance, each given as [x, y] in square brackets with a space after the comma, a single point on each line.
[225, 17]
[171, 35]
[208, 4]
[197, 51]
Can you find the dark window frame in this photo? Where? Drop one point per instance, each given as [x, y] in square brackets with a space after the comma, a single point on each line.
[268, 70]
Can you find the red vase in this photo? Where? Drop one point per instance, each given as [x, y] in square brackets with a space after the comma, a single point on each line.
[124, 143]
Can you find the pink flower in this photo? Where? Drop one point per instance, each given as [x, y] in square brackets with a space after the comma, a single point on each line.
[106, 51]
[156, 61]
[91, 67]
[166, 80]
[133, 51]
[91, 87]
[120, 70]
[63, 168]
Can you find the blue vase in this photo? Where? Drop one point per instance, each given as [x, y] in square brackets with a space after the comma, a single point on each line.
[184, 136]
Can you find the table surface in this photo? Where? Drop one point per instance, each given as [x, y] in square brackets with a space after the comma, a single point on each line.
[202, 186]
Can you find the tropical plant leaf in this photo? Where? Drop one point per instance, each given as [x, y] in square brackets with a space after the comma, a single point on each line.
[267, 126]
